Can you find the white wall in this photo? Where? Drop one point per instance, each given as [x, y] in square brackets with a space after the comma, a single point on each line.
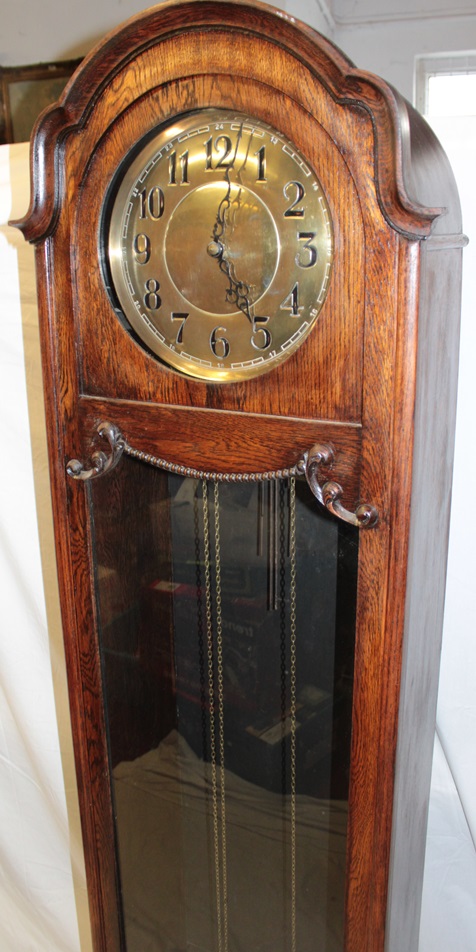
[35, 32]
[389, 48]
[41, 31]
[369, 34]
[317, 13]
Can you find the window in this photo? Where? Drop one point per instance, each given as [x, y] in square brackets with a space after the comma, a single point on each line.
[445, 85]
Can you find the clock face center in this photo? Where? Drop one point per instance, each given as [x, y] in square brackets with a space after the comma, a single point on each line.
[221, 248]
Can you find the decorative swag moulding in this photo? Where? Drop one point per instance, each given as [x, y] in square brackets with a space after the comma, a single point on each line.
[248, 259]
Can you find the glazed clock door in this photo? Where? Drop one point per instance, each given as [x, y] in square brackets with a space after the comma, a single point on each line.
[227, 634]
[248, 258]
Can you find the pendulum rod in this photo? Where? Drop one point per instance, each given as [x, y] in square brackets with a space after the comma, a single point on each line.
[218, 789]
[292, 703]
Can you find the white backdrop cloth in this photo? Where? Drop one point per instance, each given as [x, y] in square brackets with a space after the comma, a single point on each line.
[42, 892]
[41, 876]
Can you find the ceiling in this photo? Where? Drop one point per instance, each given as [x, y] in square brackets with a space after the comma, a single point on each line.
[372, 11]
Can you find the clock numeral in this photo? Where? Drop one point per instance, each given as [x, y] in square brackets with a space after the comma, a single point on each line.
[307, 255]
[291, 302]
[260, 337]
[141, 248]
[218, 343]
[261, 156]
[224, 146]
[183, 159]
[299, 192]
[151, 203]
[152, 299]
[182, 317]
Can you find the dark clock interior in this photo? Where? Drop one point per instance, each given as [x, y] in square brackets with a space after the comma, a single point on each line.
[227, 638]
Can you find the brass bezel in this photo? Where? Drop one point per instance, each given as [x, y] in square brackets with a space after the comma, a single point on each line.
[278, 261]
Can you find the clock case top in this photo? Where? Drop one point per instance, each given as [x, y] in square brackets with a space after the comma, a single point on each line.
[382, 355]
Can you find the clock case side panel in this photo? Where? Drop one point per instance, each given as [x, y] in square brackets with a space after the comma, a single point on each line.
[72, 531]
[434, 428]
[409, 443]
[78, 604]
[423, 462]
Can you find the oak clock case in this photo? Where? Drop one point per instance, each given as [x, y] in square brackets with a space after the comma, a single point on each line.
[219, 245]
[244, 279]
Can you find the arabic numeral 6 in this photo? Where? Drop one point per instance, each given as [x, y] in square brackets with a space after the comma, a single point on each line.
[219, 344]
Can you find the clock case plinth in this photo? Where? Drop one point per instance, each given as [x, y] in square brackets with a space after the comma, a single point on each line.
[376, 380]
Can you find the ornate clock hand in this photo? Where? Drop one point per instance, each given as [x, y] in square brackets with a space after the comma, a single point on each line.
[238, 291]
[237, 145]
[224, 206]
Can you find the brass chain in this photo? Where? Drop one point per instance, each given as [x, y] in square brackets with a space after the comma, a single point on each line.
[292, 702]
[297, 470]
[211, 700]
[218, 788]
[221, 710]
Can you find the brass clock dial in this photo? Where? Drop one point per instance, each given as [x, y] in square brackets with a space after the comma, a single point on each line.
[220, 245]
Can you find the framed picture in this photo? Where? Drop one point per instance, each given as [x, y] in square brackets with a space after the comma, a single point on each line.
[25, 91]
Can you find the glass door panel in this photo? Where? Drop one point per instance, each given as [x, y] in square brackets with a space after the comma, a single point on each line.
[227, 624]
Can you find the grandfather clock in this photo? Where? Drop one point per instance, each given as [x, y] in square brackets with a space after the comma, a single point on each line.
[248, 259]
